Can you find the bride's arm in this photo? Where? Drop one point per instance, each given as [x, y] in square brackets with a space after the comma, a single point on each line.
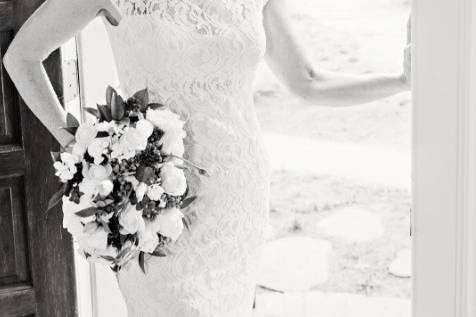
[289, 62]
[52, 24]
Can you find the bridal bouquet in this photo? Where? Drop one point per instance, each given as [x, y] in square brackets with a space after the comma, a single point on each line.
[123, 181]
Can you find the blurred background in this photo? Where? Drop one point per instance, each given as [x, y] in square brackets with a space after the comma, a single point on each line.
[339, 239]
[340, 193]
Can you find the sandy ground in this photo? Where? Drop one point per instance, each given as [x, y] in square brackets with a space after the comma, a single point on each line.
[355, 36]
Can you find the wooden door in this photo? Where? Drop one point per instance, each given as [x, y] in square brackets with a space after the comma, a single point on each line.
[36, 254]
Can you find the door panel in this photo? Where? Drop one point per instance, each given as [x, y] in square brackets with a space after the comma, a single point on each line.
[36, 254]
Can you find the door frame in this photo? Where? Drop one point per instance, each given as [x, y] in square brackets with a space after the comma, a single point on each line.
[444, 158]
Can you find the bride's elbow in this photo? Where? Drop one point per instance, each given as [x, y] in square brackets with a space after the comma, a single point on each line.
[17, 60]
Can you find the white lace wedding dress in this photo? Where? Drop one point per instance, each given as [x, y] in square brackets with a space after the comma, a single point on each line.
[200, 57]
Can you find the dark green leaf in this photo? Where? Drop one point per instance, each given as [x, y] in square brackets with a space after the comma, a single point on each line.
[186, 223]
[55, 156]
[71, 130]
[94, 112]
[187, 201]
[142, 96]
[110, 92]
[105, 112]
[159, 252]
[123, 252]
[102, 134]
[118, 108]
[56, 198]
[141, 261]
[108, 258]
[91, 211]
[155, 106]
[71, 120]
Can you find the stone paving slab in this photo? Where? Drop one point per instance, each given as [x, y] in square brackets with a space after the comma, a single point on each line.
[353, 224]
[402, 265]
[294, 263]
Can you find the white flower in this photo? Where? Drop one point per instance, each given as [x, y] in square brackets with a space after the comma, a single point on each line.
[105, 187]
[145, 128]
[71, 222]
[133, 180]
[94, 237]
[172, 142]
[78, 152]
[85, 134]
[173, 180]
[131, 220]
[165, 120]
[169, 223]
[105, 126]
[141, 189]
[96, 180]
[155, 191]
[122, 150]
[148, 239]
[96, 172]
[97, 148]
[66, 168]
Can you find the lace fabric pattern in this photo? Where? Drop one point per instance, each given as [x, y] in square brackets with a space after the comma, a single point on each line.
[200, 58]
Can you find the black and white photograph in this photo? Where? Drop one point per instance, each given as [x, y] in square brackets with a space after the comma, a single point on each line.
[237, 158]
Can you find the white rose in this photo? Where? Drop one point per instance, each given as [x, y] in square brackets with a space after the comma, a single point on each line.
[71, 222]
[131, 220]
[85, 134]
[133, 139]
[97, 148]
[173, 180]
[89, 188]
[94, 237]
[141, 189]
[66, 168]
[172, 142]
[165, 120]
[105, 187]
[148, 239]
[169, 223]
[145, 128]
[155, 191]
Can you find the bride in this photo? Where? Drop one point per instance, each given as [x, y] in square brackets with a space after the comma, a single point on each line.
[199, 57]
